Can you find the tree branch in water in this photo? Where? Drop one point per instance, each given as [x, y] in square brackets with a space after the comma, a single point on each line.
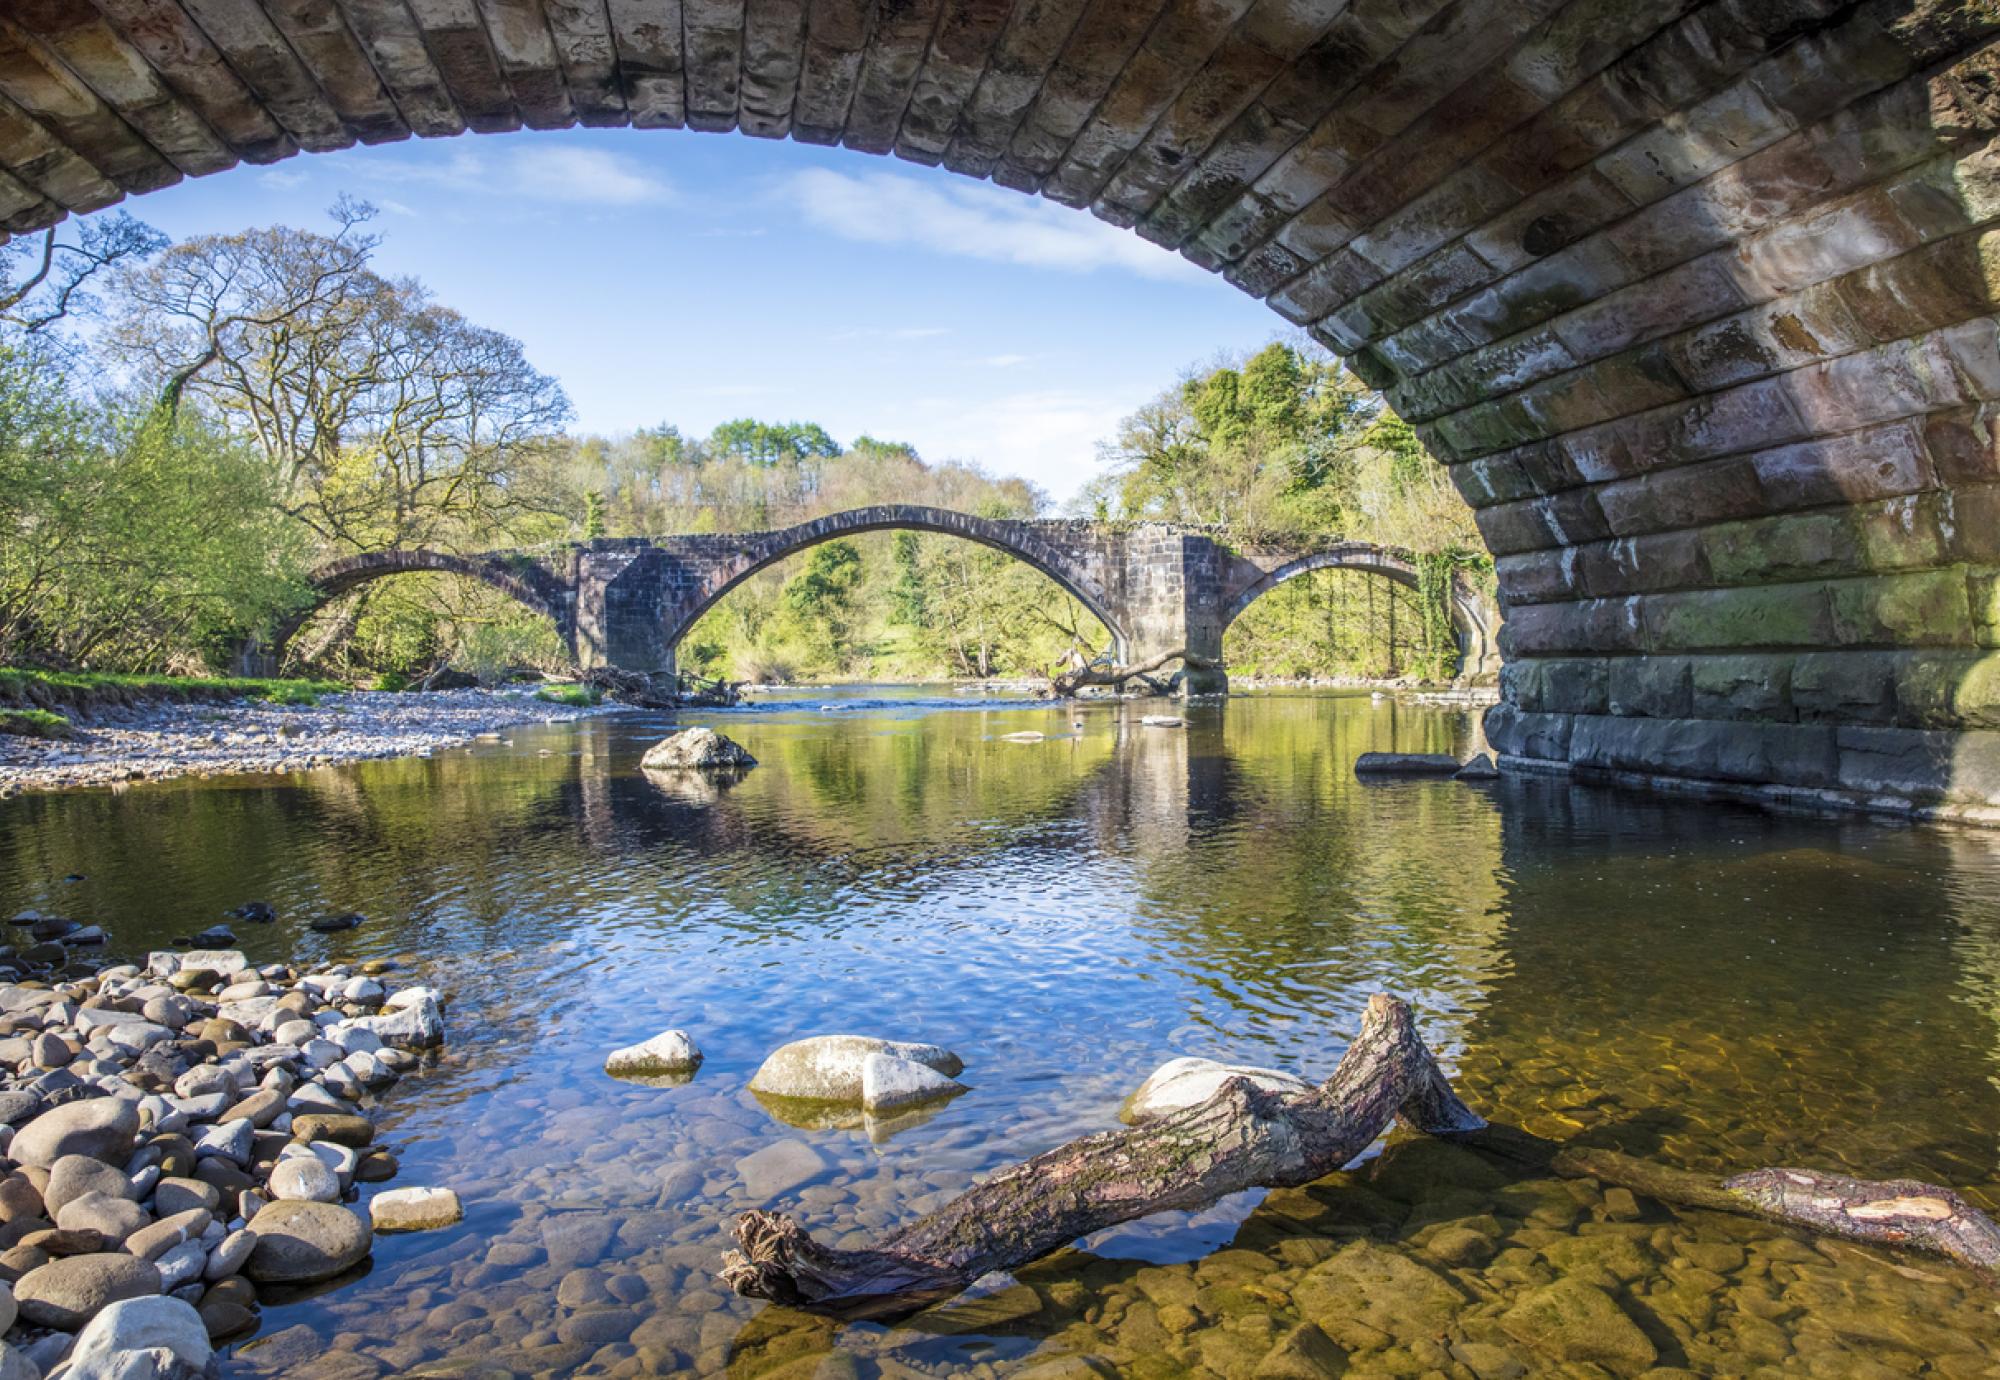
[1245, 1137]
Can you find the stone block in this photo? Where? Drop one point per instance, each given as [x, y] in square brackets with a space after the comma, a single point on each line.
[1881, 462]
[1790, 547]
[1948, 689]
[1571, 685]
[1914, 764]
[1644, 565]
[1652, 687]
[1964, 444]
[1590, 626]
[1845, 687]
[1513, 732]
[1902, 533]
[1735, 750]
[1754, 686]
[1928, 608]
[1691, 497]
[1792, 615]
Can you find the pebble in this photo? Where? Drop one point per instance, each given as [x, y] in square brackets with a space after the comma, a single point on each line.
[163, 740]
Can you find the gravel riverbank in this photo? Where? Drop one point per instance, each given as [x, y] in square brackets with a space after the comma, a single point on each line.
[156, 741]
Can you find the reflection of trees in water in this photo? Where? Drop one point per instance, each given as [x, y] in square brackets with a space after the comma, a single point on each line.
[1727, 987]
[1284, 891]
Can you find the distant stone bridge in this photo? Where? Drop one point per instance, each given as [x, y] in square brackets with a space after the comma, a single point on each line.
[627, 602]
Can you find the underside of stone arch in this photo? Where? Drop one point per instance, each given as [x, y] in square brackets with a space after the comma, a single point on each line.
[1694, 297]
[1475, 620]
[520, 578]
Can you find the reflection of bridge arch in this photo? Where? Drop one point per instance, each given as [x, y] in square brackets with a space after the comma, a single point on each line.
[740, 556]
[1473, 616]
[519, 578]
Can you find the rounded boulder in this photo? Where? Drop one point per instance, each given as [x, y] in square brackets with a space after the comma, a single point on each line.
[104, 1128]
[300, 1241]
[69, 1291]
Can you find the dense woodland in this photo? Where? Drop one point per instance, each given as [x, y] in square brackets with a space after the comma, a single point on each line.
[187, 429]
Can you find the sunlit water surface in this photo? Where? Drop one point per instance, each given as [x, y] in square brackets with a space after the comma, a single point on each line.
[1711, 987]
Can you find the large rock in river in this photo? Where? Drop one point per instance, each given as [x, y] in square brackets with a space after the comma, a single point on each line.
[669, 1052]
[299, 1241]
[1190, 1082]
[696, 749]
[829, 1068]
[141, 1324]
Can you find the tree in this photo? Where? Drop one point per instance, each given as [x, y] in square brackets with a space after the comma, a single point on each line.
[767, 443]
[129, 538]
[386, 418]
[46, 279]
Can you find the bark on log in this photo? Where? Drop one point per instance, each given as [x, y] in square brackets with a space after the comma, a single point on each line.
[1245, 1137]
[1067, 683]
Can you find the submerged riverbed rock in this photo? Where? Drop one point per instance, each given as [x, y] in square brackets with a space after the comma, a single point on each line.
[669, 1052]
[1189, 1082]
[778, 1169]
[828, 1068]
[1572, 1321]
[696, 749]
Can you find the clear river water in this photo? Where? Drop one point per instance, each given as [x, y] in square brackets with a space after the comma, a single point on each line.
[1712, 987]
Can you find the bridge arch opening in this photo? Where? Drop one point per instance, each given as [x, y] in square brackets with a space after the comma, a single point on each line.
[519, 581]
[1695, 300]
[1473, 615]
[837, 555]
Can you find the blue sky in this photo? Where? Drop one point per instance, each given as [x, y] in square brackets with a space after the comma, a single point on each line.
[686, 278]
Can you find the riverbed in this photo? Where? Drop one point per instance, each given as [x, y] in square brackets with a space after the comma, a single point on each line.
[1709, 986]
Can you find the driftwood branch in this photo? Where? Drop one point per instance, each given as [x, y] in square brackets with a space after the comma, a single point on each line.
[1245, 1137]
[1066, 683]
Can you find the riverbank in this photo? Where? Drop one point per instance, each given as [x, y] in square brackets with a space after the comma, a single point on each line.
[157, 740]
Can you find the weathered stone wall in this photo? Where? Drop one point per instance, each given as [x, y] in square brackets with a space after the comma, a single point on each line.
[1695, 297]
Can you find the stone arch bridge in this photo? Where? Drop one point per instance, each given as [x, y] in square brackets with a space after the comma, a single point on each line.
[1695, 298]
[627, 602]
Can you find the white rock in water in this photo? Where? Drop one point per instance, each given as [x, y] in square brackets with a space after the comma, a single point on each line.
[827, 1068]
[888, 1083]
[224, 961]
[418, 1025]
[1029, 736]
[1162, 720]
[1182, 1083]
[414, 1209]
[670, 1051]
[695, 749]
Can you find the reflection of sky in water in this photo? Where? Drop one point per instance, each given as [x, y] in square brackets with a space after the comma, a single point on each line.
[1707, 984]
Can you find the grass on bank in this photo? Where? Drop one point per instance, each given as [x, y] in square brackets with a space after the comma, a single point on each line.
[575, 696]
[21, 686]
[35, 723]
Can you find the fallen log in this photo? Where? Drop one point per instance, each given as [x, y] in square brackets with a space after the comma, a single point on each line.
[1065, 684]
[1244, 1137]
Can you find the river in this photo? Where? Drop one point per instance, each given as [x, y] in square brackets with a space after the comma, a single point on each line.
[1709, 986]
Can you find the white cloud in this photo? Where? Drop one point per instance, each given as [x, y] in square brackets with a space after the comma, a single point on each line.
[589, 175]
[551, 174]
[1047, 436]
[976, 221]
[284, 179]
[1003, 361]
